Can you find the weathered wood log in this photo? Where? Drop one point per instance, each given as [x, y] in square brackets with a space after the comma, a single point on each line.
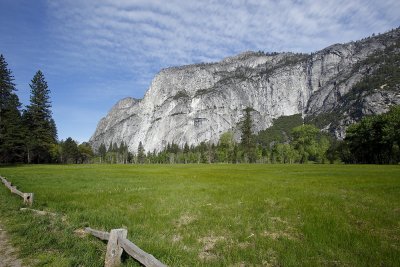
[114, 251]
[99, 234]
[117, 242]
[17, 192]
[144, 258]
[28, 197]
[39, 212]
[7, 184]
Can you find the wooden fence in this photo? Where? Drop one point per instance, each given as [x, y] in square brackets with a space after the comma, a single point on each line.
[28, 197]
[117, 243]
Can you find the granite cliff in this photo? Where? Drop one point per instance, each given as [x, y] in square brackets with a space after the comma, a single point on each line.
[199, 102]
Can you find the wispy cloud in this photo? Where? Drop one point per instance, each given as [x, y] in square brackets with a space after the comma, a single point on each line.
[152, 32]
[107, 49]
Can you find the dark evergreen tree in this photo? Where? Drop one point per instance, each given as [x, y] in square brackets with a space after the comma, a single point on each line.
[123, 153]
[247, 139]
[41, 129]
[174, 148]
[11, 130]
[141, 153]
[115, 147]
[186, 148]
[110, 147]
[235, 154]
[102, 152]
[70, 151]
[53, 129]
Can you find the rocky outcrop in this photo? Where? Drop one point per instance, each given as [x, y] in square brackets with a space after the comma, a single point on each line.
[196, 103]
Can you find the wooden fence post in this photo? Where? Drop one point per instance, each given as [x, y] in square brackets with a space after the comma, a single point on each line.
[28, 198]
[114, 250]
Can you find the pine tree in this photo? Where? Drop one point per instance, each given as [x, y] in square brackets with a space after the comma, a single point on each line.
[123, 152]
[42, 132]
[115, 147]
[247, 138]
[11, 132]
[53, 129]
[186, 148]
[102, 152]
[141, 153]
[110, 147]
[70, 151]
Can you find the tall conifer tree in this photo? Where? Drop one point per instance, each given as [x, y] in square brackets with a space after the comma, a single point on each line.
[11, 133]
[247, 139]
[141, 153]
[42, 132]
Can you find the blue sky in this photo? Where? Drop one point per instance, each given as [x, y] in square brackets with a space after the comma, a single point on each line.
[95, 52]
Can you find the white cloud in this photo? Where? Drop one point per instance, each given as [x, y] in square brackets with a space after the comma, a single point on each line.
[148, 34]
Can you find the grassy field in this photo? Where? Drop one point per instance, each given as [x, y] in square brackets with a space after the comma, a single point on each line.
[210, 215]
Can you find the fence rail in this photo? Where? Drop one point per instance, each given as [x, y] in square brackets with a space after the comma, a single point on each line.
[117, 242]
[28, 197]
[99, 234]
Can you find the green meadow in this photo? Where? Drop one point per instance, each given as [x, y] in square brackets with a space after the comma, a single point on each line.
[209, 215]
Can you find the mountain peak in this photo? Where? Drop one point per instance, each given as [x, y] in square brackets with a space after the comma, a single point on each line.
[197, 103]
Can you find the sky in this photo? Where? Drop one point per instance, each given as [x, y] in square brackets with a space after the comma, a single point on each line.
[96, 52]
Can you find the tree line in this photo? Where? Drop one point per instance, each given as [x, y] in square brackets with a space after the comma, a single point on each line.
[375, 139]
[28, 134]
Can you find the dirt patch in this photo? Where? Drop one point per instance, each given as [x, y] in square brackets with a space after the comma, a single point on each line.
[8, 257]
[244, 245]
[80, 233]
[135, 207]
[272, 259]
[185, 219]
[278, 234]
[278, 220]
[209, 243]
[279, 229]
[207, 256]
[176, 238]
[240, 264]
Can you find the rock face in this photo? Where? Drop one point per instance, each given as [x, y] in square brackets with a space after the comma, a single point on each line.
[199, 102]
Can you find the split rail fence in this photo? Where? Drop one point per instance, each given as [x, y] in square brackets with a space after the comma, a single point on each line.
[28, 197]
[117, 241]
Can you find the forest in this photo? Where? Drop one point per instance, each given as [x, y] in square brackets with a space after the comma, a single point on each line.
[375, 139]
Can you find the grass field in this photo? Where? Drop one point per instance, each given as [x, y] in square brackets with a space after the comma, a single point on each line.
[210, 215]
